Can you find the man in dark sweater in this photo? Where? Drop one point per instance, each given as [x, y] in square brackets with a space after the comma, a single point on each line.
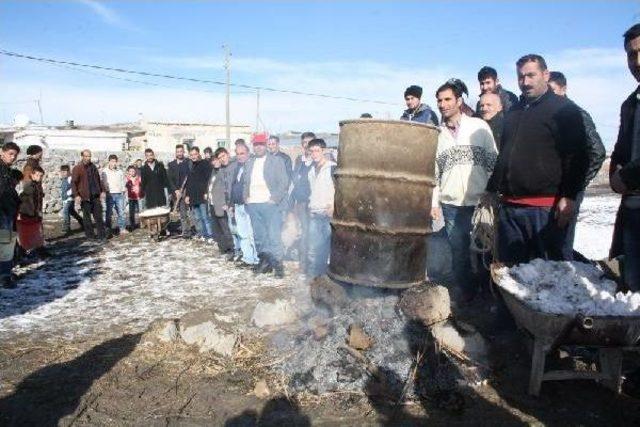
[489, 83]
[595, 151]
[540, 169]
[624, 172]
[179, 169]
[195, 191]
[154, 181]
[9, 204]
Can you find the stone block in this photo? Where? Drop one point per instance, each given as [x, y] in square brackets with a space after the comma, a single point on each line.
[428, 304]
[280, 312]
[203, 329]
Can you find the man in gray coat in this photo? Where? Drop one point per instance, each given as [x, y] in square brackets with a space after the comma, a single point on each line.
[265, 189]
[216, 196]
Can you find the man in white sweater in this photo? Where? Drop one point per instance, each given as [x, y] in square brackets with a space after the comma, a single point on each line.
[320, 209]
[465, 159]
[113, 180]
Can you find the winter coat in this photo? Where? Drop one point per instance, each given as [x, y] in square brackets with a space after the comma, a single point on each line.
[80, 181]
[134, 188]
[595, 148]
[178, 173]
[9, 199]
[196, 186]
[234, 186]
[300, 178]
[322, 188]
[496, 124]
[422, 114]
[217, 190]
[287, 163]
[31, 200]
[275, 176]
[543, 151]
[154, 181]
[66, 194]
[621, 156]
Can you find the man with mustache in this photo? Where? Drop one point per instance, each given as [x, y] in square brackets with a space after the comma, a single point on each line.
[540, 169]
[624, 172]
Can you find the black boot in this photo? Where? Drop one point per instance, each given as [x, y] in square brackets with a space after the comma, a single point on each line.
[278, 269]
[264, 266]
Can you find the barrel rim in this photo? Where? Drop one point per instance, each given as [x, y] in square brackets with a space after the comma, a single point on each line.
[404, 122]
[373, 284]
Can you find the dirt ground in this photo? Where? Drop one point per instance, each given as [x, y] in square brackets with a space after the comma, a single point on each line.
[130, 379]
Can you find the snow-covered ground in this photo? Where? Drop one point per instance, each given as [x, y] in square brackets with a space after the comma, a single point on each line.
[595, 225]
[84, 290]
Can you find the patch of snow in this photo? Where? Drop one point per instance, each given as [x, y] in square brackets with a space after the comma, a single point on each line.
[594, 230]
[567, 288]
[155, 211]
[85, 290]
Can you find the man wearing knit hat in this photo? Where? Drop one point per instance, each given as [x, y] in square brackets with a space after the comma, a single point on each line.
[417, 111]
[265, 189]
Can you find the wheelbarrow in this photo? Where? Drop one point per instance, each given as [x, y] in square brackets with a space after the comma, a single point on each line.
[610, 335]
[155, 221]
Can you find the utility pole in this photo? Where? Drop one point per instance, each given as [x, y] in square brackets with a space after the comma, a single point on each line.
[257, 110]
[227, 66]
[40, 108]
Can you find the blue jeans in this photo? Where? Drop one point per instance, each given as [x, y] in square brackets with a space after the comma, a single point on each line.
[115, 200]
[266, 219]
[7, 223]
[631, 247]
[525, 233]
[68, 211]
[318, 244]
[202, 220]
[244, 231]
[457, 223]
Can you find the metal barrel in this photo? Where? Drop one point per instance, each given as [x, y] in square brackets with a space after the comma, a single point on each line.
[384, 183]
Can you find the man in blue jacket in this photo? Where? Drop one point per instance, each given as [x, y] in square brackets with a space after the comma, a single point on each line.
[417, 111]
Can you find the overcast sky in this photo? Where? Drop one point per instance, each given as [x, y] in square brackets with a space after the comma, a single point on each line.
[369, 50]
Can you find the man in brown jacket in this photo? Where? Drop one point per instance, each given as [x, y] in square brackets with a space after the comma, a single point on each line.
[88, 191]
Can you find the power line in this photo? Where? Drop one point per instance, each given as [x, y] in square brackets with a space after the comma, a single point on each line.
[189, 79]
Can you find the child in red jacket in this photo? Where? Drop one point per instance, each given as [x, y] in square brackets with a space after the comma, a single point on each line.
[134, 194]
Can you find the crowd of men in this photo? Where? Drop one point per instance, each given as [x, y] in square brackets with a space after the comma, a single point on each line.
[532, 156]
[238, 203]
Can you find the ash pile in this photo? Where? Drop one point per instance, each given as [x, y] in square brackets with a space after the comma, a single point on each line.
[372, 340]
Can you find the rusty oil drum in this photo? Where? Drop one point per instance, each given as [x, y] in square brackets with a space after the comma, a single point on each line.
[384, 182]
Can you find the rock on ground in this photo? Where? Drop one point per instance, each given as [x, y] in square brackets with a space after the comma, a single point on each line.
[325, 291]
[206, 331]
[467, 342]
[429, 304]
[280, 312]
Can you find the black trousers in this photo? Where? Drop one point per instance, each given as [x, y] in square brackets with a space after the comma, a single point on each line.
[222, 232]
[89, 208]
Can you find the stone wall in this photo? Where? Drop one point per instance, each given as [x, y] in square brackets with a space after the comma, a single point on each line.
[53, 159]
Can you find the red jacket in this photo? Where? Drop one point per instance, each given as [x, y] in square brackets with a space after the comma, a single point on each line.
[134, 188]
